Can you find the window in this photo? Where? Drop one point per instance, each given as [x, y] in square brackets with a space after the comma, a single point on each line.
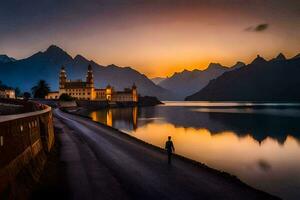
[1, 141]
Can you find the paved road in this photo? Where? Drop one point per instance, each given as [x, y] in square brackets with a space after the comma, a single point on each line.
[105, 164]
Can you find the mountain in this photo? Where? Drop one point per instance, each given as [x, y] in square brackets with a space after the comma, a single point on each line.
[261, 80]
[279, 57]
[6, 59]
[46, 65]
[296, 56]
[188, 82]
[157, 80]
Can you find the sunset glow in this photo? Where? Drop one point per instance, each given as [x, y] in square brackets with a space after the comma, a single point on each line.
[155, 38]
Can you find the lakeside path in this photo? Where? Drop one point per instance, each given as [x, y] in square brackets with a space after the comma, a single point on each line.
[103, 163]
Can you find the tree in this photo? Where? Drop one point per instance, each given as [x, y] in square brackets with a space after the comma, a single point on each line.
[26, 95]
[41, 89]
[65, 97]
[17, 92]
[2, 85]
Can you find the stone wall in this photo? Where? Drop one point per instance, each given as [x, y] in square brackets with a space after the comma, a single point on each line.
[6, 109]
[92, 104]
[25, 139]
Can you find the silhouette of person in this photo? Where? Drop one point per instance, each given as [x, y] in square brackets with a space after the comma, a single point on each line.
[170, 149]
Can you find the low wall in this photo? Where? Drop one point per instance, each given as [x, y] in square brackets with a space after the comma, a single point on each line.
[92, 104]
[24, 141]
[6, 109]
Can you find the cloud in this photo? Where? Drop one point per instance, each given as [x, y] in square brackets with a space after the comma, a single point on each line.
[258, 28]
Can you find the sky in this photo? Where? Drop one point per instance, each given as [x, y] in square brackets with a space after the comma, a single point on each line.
[155, 37]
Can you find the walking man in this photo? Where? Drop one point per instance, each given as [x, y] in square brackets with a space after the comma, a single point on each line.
[170, 149]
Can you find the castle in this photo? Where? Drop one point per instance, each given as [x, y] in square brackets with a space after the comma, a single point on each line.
[7, 93]
[85, 90]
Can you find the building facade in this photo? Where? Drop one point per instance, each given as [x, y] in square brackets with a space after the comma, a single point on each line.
[7, 93]
[85, 90]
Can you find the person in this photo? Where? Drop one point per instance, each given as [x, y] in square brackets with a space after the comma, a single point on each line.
[169, 148]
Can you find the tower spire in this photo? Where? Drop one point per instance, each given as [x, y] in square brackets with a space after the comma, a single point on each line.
[90, 77]
[62, 78]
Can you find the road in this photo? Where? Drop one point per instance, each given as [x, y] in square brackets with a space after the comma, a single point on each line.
[105, 164]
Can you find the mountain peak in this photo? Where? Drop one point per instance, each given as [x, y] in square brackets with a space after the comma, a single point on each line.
[6, 59]
[238, 64]
[80, 58]
[55, 53]
[214, 66]
[54, 48]
[112, 65]
[280, 57]
[258, 60]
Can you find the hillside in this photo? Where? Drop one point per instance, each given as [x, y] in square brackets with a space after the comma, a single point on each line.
[261, 80]
[188, 82]
[157, 80]
[6, 59]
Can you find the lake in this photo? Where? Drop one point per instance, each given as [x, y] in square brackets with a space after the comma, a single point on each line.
[257, 142]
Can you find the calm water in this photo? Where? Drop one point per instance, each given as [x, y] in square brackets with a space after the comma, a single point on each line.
[260, 145]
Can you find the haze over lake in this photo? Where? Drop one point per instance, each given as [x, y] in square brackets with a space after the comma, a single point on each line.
[259, 143]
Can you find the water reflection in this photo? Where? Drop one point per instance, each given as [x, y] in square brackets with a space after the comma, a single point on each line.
[260, 146]
[125, 118]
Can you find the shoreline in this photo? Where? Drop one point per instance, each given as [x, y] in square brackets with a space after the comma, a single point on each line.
[217, 172]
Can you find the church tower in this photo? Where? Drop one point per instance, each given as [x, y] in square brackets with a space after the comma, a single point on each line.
[62, 80]
[90, 77]
[90, 84]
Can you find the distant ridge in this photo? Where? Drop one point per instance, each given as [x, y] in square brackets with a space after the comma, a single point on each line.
[188, 82]
[261, 80]
[6, 59]
[157, 80]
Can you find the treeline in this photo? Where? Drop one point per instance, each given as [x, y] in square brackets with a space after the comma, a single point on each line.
[3, 86]
[40, 90]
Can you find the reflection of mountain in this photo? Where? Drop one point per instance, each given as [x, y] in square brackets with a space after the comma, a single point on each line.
[259, 126]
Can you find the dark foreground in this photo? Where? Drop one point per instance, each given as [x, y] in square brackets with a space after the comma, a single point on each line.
[102, 163]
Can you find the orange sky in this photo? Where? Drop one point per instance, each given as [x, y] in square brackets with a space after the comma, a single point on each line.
[155, 37]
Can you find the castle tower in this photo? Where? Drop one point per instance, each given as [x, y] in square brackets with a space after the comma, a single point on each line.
[90, 77]
[62, 78]
[90, 84]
